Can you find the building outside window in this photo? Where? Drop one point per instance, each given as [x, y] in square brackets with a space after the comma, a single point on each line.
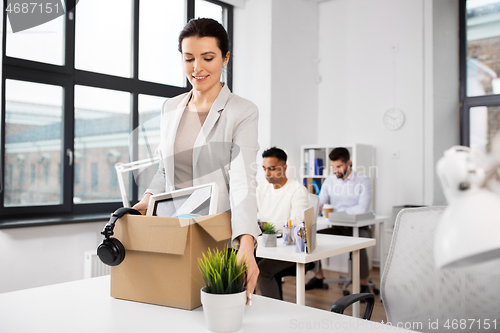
[94, 176]
[33, 174]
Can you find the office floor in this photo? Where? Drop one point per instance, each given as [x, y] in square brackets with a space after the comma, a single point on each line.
[323, 299]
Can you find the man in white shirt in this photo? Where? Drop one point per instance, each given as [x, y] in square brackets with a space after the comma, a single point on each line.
[350, 192]
[278, 200]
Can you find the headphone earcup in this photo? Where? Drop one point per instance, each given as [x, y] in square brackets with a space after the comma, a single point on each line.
[111, 251]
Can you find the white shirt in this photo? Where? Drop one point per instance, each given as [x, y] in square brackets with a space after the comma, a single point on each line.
[276, 205]
[352, 195]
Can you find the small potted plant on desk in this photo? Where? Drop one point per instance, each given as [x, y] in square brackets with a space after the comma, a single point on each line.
[224, 295]
[269, 234]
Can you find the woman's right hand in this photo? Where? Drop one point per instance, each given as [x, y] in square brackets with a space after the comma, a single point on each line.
[143, 204]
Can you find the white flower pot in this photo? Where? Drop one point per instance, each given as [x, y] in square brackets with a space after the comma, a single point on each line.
[269, 240]
[223, 312]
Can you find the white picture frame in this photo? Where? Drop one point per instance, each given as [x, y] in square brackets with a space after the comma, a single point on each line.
[196, 200]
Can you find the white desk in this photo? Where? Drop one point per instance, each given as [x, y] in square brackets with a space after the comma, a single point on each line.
[379, 221]
[85, 306]
[328, 246]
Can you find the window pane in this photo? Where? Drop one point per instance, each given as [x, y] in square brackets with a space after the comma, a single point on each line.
[160, 23]
[104, 36]
[209, 10]
[483, 47]
[484, 124]
[149, 137]
[102, 128]
[33, 141]
[43, 43]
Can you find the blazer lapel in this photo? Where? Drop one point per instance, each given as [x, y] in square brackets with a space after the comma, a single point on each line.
[212, 118]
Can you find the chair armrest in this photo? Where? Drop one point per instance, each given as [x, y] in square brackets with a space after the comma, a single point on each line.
[344, 302]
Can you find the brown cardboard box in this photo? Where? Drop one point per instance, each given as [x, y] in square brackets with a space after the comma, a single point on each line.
[161, 257]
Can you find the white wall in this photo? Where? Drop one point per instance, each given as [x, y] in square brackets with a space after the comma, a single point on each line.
[294, 88]
[276, 68]
[446, 84]
[39, 256]
[375, 55]
[251, 60]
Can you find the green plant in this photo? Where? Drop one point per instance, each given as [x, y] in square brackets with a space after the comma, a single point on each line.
[268, 228]
[222, 272]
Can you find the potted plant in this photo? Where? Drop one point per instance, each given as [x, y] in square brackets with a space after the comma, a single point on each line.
[269, 234]
[224, 295]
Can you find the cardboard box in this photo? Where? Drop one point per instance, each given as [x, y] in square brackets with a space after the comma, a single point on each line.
[161, 257]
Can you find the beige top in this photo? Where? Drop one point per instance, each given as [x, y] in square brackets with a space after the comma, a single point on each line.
[187, 132]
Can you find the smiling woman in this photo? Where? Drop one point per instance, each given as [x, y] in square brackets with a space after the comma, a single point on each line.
[210, 135]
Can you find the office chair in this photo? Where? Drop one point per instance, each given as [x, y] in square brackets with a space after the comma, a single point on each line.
[414, 291]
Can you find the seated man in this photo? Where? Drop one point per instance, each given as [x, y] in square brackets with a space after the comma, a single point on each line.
[282, 198]
[349, 192]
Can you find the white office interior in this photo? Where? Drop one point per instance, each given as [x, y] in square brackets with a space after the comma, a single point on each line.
[320, 72]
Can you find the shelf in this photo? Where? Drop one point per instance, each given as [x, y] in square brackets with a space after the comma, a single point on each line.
[362, 158]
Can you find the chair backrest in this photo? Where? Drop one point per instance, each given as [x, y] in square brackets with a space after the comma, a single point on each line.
[314, 202]
[415, 293]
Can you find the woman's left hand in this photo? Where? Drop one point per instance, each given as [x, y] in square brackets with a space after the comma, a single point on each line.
[247, 249]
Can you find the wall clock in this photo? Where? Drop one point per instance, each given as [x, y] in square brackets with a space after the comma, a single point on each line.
[394, 119]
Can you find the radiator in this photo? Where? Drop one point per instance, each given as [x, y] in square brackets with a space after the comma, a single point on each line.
[93, 266]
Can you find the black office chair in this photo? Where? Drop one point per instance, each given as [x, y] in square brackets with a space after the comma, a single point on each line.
[346, 301]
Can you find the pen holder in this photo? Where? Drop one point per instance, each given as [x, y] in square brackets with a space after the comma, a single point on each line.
[288, 236]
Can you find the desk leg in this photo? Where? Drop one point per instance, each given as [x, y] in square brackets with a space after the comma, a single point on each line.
[301, 284]
[355, 281]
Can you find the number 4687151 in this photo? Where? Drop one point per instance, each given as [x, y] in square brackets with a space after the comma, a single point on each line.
[33, 8]
[479, 324]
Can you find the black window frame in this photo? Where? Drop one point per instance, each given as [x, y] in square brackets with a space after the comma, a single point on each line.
[466, 102]
[67, 76]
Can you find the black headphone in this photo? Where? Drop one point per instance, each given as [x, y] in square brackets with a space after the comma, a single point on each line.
[111, 250]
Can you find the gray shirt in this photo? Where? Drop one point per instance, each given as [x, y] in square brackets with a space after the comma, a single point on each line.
[187, 132]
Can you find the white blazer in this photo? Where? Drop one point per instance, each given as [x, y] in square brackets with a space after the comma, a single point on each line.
[224, 152]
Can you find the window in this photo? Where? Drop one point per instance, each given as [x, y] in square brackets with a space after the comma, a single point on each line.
[94, 179]
[113, 179]
[33, 174]
[33, 127]
[480, 72]
[77, 175]
[21, 174]
[77, 89]
[103, 37]
[160, 21]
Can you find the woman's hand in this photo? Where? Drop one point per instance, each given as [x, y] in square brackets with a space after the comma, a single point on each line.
[143, 204]
[247, 249]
